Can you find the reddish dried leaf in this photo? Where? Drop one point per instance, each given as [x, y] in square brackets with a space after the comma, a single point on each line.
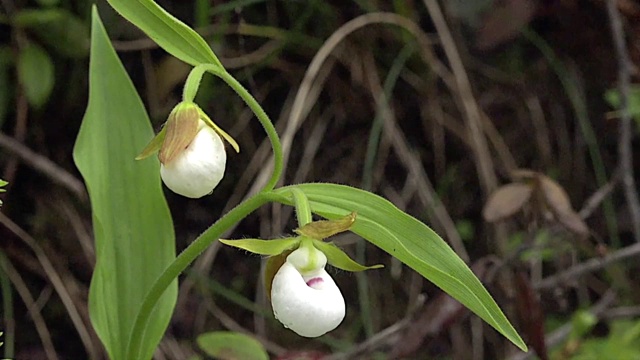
[530, 313]
[506, 201]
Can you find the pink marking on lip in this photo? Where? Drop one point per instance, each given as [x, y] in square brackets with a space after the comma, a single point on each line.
[314, 281]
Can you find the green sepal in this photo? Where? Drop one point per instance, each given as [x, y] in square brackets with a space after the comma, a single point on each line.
[264, 247]
[154, 145]
[182, 128]
[325, 228]
[338, 258]
[219, 130]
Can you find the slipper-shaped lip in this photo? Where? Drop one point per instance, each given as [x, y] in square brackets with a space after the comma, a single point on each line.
[306, 299]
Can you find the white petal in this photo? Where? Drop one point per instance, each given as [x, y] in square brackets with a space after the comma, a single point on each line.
[311, 305]
[199, 168]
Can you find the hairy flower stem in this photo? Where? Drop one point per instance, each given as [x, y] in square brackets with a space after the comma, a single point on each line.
[189, 94]
[185, 258]
[234, 216]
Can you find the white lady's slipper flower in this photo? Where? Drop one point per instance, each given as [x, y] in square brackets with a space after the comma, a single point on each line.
[304, 297]
[192, 155]
[197, 169]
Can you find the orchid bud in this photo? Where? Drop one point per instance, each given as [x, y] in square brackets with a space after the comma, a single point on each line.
[192, 154]
[304, 297]
[199, 167]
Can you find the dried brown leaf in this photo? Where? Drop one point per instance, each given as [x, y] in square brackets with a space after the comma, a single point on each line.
[523, 175]
[558, 202]
[506, 201]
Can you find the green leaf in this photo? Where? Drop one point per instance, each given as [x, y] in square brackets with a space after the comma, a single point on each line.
[2, 183]
[411, 242]
[582, 322]
[337, 258]
[132, 225]
[168, 32]
[36, 74]
[612, 96]
[226, 345]
[48, 2]
[264, 247]
[57, 28]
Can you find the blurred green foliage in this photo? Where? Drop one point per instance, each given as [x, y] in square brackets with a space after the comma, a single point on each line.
[2, 183]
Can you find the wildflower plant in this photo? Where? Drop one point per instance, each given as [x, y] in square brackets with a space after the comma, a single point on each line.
[2, 183]
[134, 285]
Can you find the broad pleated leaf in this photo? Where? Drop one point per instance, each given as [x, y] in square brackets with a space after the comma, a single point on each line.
[132, 225]
[410, 241]
[168, 32]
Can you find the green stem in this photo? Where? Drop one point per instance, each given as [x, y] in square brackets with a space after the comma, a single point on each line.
[303, 210]
[191, 88]
[193, 83]
[266, 124]
[185, 259]
[227, 221]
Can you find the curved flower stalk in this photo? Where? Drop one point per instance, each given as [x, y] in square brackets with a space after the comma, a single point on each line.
[192, 154]
[304, 297]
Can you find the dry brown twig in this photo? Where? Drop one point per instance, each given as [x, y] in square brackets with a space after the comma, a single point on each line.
[625, 156]
[558, 335]
[311, 84]
[84, 330]
[472, 113]
[228, 322]
[588, 266]
[44, 166]
[426, 193]
[34, 311]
